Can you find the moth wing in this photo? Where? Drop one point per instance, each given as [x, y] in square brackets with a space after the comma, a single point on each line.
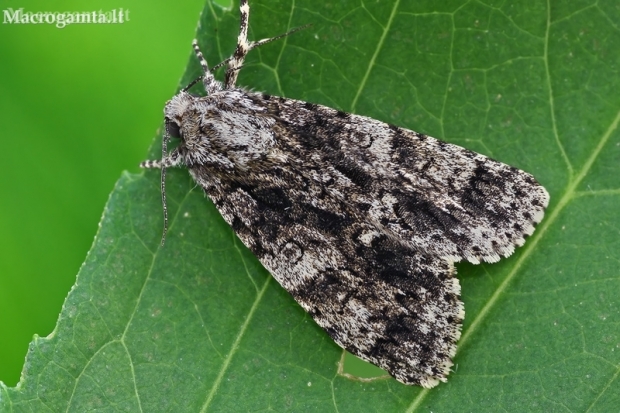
[360, 221]
[375, 296]
[442, 198]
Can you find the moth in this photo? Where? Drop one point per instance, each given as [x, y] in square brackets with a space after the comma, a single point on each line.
[359, 220]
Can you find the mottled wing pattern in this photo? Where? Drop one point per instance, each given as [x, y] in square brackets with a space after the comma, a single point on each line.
[374, 295]
[441, 198]
[360, 221]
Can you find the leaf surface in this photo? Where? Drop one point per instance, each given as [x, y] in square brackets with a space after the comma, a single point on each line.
[199, 325]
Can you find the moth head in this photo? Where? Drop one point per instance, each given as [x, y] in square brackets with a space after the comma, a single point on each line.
[182, 121]
[173, 130]
[176, 112]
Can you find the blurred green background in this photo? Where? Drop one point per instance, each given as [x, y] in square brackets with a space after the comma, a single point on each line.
[78, 105]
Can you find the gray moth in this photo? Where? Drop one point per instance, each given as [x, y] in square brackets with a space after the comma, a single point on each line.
[359, 220]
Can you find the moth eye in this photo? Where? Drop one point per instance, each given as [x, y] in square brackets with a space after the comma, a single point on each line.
[173, 129]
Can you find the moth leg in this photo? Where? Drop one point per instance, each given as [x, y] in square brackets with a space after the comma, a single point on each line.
[243, 46]
[168, 161]
[235, 62]
[171, 160]
[211, 85]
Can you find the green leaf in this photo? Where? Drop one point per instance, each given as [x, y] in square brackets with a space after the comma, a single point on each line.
[198, 325]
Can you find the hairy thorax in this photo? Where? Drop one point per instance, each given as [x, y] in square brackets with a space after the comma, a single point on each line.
[224, 131]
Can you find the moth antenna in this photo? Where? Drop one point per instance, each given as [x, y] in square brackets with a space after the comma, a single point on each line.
[164, 153]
